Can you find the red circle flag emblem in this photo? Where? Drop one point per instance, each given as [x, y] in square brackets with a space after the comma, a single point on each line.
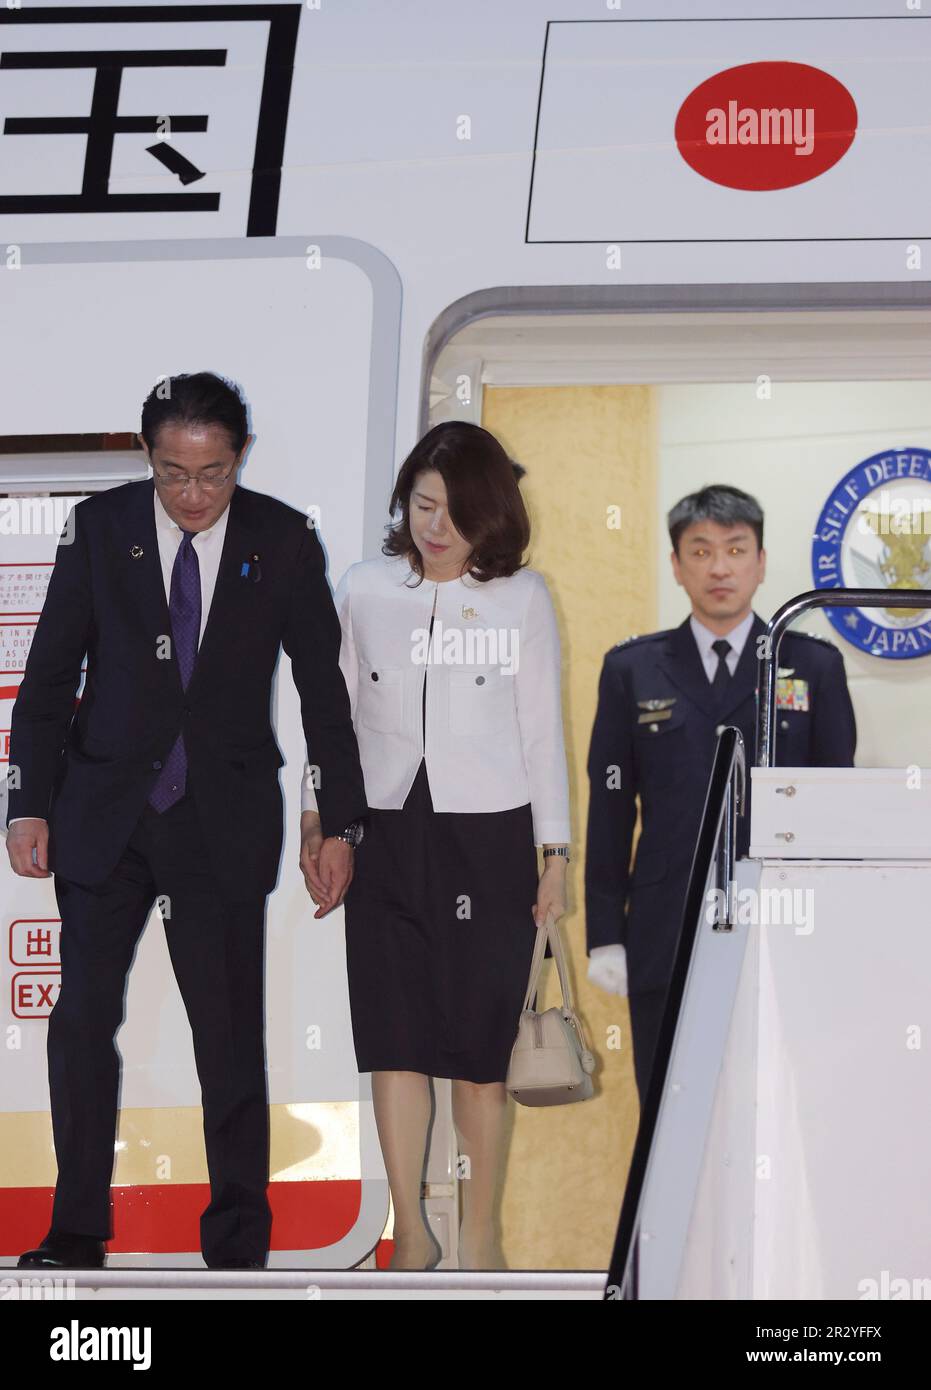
[763, 126]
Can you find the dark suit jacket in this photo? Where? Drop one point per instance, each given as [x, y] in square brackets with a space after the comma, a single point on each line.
[666, 763]
[90, 772]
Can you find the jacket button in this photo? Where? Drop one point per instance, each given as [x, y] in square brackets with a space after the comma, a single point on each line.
[156, 764]
[784, 724]
[374, 675]
[479, 680]
[654, 728]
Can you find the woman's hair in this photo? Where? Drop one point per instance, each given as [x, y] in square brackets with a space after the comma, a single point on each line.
[483, 498]
[199, 399]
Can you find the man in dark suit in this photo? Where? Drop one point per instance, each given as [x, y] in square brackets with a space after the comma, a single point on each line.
[662, 700]
[164, 784]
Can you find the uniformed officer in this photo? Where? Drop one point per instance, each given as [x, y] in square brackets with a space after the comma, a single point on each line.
[661, 702]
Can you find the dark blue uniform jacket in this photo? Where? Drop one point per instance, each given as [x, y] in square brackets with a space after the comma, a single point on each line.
[655, 733]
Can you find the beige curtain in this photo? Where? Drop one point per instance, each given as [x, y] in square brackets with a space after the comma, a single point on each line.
[590, 455]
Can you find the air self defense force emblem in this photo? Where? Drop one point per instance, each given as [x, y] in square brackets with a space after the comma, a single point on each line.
[874, 532]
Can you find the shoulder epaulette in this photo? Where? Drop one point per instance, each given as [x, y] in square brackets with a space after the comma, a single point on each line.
[815, 636]
[641, 637]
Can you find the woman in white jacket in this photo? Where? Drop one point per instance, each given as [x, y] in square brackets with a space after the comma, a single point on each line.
[451, 656]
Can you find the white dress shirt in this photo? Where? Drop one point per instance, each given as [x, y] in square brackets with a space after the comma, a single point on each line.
[209, 547]
[494, 735]
[705, 637]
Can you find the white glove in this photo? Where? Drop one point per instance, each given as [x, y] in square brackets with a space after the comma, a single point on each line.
[607, 968]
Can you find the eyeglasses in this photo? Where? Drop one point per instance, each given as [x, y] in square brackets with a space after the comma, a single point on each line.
[179, 481]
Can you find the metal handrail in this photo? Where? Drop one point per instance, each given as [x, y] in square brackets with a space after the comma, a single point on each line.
[775, 631]
[735, 795]
[716, 844]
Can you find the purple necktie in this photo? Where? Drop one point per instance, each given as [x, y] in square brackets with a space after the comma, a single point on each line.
[184, 615]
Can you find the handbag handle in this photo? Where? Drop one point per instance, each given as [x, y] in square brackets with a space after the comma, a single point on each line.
[548, 931]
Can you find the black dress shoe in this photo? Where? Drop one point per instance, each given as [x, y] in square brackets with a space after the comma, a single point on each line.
[61, 1250]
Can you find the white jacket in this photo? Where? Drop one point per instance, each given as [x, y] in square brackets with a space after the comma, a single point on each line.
[494, 736]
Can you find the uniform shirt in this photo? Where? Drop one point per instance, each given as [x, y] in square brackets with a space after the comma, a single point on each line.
[704, 639]
[209, 547]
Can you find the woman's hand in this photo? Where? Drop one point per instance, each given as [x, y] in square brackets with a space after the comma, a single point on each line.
[334, 865]
[326, 864]
[551, 890]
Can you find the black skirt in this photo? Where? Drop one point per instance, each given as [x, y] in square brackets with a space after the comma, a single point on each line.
[439, 935]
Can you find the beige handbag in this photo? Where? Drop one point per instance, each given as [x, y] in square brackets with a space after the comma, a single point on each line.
[550, 1062]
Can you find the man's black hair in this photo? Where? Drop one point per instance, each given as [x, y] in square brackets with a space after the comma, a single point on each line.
[728, 506]
[198, 398]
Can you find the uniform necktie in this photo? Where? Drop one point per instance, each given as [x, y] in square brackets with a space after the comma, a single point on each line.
[722, 676]
[184, 616]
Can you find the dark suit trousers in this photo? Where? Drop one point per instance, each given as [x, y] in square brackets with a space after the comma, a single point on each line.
[646, 1015]
[217, 953]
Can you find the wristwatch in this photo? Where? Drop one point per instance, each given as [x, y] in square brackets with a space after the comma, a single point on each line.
[352, 834]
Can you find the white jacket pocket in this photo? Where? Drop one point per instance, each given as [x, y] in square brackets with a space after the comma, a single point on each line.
[381, 698]
[480, 701]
